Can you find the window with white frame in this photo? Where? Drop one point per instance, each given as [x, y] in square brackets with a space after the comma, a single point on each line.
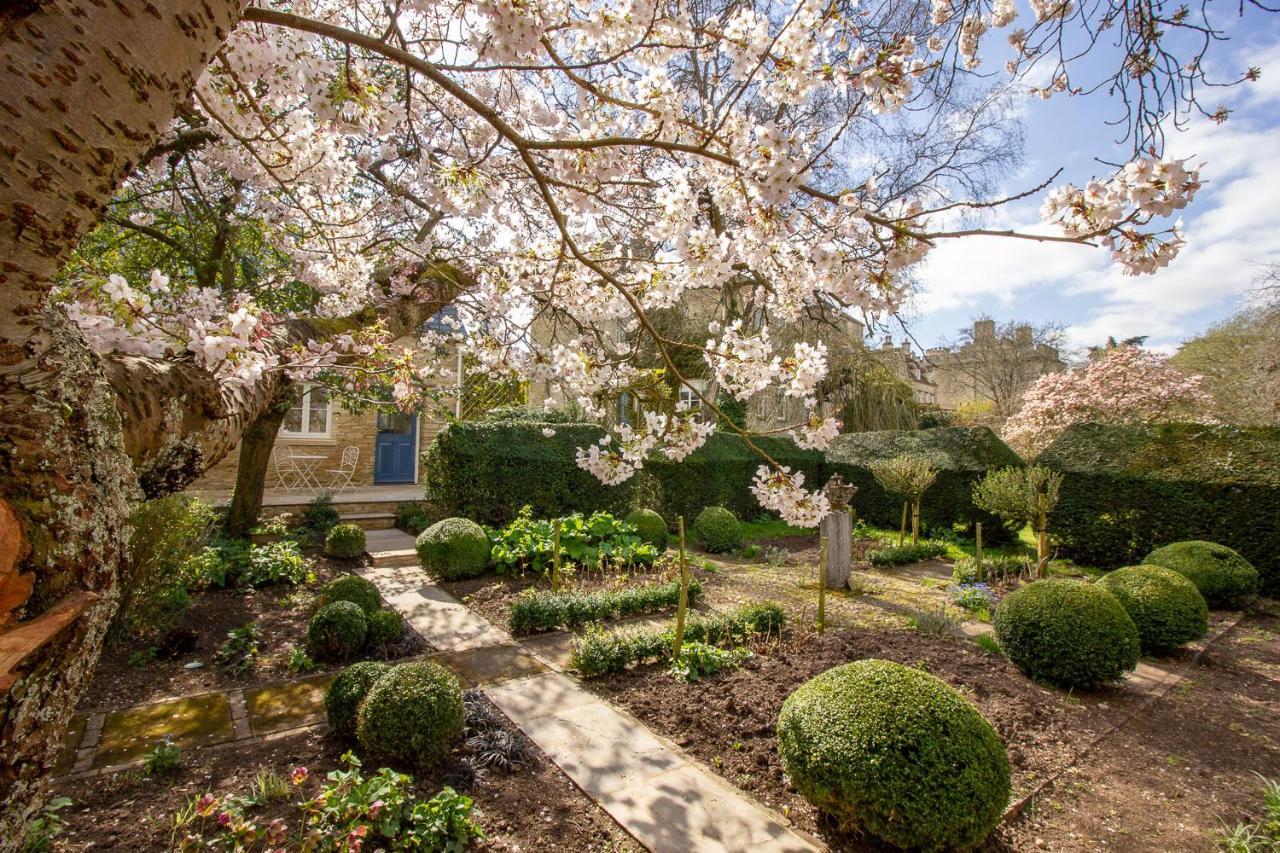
[687, 395]
[309, 417]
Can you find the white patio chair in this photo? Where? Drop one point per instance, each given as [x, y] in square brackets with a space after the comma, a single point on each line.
[288, 477]
[340, 480]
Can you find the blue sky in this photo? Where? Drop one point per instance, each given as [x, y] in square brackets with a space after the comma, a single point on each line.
[1233, 225]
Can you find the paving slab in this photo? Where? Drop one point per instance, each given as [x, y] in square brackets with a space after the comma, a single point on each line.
[491, 664]
[192, 721]
[287, 706]
[441, 619]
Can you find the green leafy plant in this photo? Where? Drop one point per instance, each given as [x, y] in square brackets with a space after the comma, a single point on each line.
[540, 610]
[277, 562]
[699, 660]
[912, 552]
[1224, 578]
[163, 758]
[300, 662]
[751, 552]
[1262, 836]
[935, 623]
[412, 518]
[1022, 496]
[1167, 608]
[344, 541]
[988, 643]
[352, 588]
[319, 517]
[337, 632]
[1067, 632]
[46, 827]
[239, 652]
[413, 713]
[528, 543]
[994, 567]
[896, 753]
[717, 530]
[454, 548]
[166, 532]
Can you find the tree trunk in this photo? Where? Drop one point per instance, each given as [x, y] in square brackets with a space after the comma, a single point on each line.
[915, 522]
[88, 86]
[251, 472]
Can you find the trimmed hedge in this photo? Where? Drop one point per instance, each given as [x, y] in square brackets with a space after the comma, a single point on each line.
[539, 610]
[962, 455]
[717, 530]
[897, 753]
[346, 692]
[352, 588]
[1129, 489]
[1066, 632]
[453, 548]
[650, 527]
[897, 555]
[337, 631]
[1167, 608]
[413, 713]
[1222, 576]
[385, 627]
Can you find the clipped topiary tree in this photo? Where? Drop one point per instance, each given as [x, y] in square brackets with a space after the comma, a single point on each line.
[413, 713]
[344, 541]
[1067, 632]
[1167, 608]
[352, 588]
[717, 530]
[897, 753]
[337, 632]
[454, 548]
[650, 527]
[385, 627]
[1022, 496]
[346, 692]
[1224, 578]
[909, 476]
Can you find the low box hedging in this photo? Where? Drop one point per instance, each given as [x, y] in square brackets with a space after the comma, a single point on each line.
[717, 530]
[344, 541]
[599, 651]
[337, 632]
[897, 555]
[540, 610]
[413, 713]
[1167, 608]
[962, 456]
[346, 692]
[897, 753]
[1130, 489]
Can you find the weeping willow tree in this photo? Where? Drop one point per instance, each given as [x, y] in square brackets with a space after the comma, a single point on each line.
[866, 394]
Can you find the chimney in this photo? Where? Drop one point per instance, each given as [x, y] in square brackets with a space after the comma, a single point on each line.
[984, 330]
[905, 347]
[886, 344]
[1023, 335]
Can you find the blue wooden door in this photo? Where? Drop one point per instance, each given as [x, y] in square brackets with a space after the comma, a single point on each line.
[393, 450]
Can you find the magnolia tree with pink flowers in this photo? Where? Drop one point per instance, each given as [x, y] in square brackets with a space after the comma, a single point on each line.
[581, 163]
[1123, 385]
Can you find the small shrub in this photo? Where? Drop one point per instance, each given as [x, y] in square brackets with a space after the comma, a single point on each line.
[164, 757]
[897, 753]
[239, 652]
[346, 692]
[895, 555]
[934, 623]
[1167, 608]
[1224, 578]
[352, 588]
[994, 567]
[300, 662]
[320, 516]
[539, 610]
[344, 541]
[413, 713]
[763, 617]
[385, 627]
[717, 530]
[1068, 633]
[337, 632]
[412, 518]
[44, 829]
[453, 549]
[751, 552]
[277, 562]
[699, 660]
[165, 533]
[650, 527]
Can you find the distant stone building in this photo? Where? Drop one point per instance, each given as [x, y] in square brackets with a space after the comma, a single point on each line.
[915, 371]
[993, 365]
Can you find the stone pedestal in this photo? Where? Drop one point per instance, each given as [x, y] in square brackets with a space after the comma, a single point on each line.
[838, 528]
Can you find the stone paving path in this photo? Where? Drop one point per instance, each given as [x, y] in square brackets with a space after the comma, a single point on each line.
[648, 785]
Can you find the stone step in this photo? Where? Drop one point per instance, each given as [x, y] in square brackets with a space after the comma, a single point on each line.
[370, 520]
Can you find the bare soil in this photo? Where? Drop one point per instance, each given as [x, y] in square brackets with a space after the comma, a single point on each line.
[1164, 781]
[529, 809]
[281, 614]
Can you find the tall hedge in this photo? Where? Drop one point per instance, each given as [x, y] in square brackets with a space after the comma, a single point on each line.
[1130, 489]
[488, 471]
[962, 456]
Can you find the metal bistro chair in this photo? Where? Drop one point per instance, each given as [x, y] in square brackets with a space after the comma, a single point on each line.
[340, 480]
[288, 477]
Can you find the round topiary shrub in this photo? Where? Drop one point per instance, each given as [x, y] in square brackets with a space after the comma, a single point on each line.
[717, 530]
[342, 699]
[1067, 632]
[1166, 607]
[352, 588]
[893, 751]
[454, 548]
[650, 527]
[337, 631]
[344, 541]
[385, 627]
[413, 713]
[1224, 578]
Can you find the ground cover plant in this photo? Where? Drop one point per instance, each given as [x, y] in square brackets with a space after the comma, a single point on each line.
[543, 610]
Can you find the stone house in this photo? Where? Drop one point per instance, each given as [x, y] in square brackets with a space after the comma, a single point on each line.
[990, 362]
[910, 368]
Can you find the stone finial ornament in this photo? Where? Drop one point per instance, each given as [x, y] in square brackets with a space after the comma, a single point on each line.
[839, 493]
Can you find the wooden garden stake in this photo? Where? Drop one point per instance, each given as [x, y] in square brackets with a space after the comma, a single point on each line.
[915, 522]
[555, 556]
[822, 585]
[977, 549]
[684, 593]
[902, 531]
